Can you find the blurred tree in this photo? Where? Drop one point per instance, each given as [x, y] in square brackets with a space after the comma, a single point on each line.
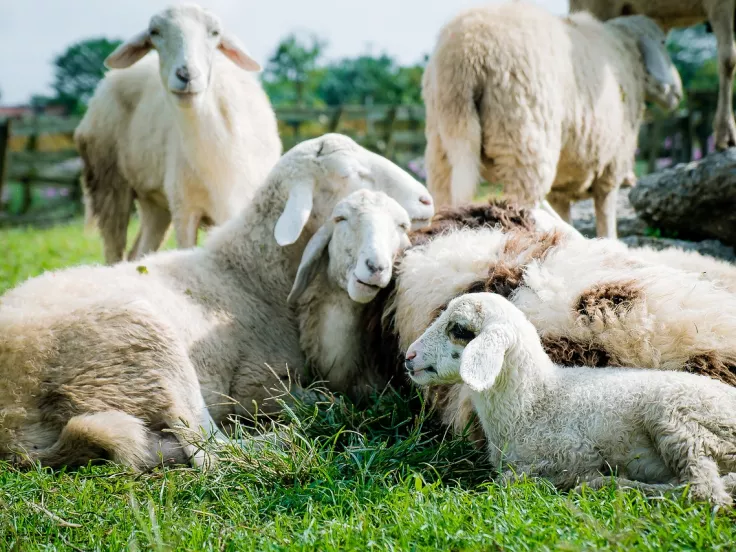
[78, 70]
[367, 79]
[693, 51]
[291, 74]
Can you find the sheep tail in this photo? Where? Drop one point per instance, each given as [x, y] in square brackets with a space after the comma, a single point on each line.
[460, 125]
[112, 435]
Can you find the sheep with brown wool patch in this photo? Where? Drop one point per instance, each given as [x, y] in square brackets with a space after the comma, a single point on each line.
[107, 354]
[650, 429]
[593, 302]
[549, 107]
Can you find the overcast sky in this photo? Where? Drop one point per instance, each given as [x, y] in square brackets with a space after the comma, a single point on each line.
[32, 32]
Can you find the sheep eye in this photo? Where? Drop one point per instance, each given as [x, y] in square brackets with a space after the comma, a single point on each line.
[155, 32]
[339, 219]
[461, 333]
[215, 33]
[404, 226]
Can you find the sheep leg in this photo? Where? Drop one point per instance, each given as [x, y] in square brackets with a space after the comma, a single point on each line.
[720, 15]
[600, 482]
[605, 199]
[439, 171]
[155, 220]
[561, 206]
[186, 225]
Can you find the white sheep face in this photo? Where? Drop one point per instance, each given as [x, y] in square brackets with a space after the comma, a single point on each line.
[186, 38]
[370, 230]
[363, 236]
[467, 343]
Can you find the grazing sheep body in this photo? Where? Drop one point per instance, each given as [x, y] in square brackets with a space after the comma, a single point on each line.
[180, 325]
[652, 429]
[541, 104]
[683, 13]
[191, 157]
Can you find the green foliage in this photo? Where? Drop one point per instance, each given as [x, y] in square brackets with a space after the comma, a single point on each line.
[291, 74]
[693, 51]
[78, 70]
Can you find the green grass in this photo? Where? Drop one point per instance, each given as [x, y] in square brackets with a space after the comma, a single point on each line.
[383, 478]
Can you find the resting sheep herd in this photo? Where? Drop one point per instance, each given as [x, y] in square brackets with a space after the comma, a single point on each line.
[330, 264]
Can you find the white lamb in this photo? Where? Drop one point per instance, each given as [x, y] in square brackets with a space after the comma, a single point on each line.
[149, 340]
[188, 133]
[542, 105]
[655, 430]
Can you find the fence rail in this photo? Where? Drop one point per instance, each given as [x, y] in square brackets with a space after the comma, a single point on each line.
[39, 150]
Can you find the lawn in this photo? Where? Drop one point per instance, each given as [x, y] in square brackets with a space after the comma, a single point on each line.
[382, 478]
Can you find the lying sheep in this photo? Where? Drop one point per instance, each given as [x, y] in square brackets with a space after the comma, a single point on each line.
[680, 13]
[541, 104]
[345, 265]
[654, 430]
[189, 133]
[153, 339]
[593, 302]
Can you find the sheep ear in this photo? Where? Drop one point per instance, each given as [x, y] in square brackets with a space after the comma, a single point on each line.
[129, 52]
[296, 213]
[235, 52]
[655, 62]
[483, 358]
[310, 261]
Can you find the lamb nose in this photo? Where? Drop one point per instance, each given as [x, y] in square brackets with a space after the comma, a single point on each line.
[411, 356]
[425, 200]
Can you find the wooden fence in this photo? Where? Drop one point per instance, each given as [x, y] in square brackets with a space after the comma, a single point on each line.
[40, 151]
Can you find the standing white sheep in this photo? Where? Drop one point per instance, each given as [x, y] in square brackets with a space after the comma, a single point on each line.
[190, 135]
[680, 13]
[542, 105]
[653, 429]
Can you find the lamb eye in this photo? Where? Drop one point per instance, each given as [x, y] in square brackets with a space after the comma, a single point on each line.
[339, 219]
[461, 333]
[215, 33]
[155, 32]
[404, 226]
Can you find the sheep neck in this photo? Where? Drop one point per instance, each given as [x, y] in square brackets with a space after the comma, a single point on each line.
[246, 248]
[526, 373]
[331, 335]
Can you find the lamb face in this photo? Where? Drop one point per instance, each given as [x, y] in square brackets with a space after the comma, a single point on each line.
[186, 38]
[363, 236]
[466, 344]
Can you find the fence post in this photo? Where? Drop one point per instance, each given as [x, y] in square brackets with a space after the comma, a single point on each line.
[32, 146]
[4, 147]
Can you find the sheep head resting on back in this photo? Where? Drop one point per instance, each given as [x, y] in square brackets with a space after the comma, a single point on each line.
[363, 237]
[341, 166]
[662, 85]
[186, 38]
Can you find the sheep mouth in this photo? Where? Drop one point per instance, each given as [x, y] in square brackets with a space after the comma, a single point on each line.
[416, 372]
[369, 286]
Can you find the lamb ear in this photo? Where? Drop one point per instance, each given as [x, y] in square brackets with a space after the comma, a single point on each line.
[130, 51]
[655, 62]
[310, 260]
[235, 52]
[483, 358]
[296, 213]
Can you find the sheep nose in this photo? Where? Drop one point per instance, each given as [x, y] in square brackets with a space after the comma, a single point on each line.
[184, 74]
[425, 200]
[373, 268]
[411, 355]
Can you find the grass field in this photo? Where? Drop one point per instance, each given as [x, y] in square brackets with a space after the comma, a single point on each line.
[384, 478]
